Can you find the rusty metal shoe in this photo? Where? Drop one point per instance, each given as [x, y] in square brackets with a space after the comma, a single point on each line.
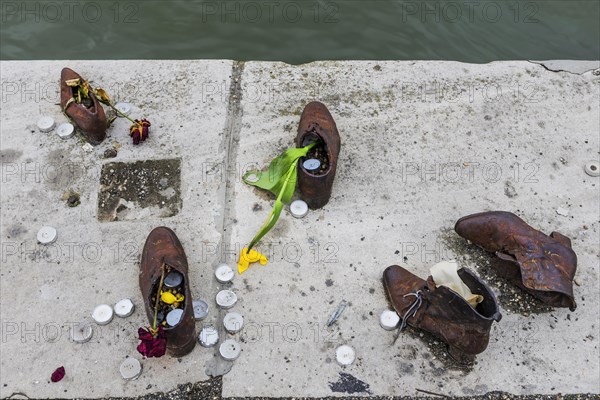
[91, 120]
[442, 312]
[163, 246]
[317, 123]
[542, 265]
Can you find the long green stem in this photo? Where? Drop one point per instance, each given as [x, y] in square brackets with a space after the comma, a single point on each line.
[269, 223]
[162, 278]
[278, 182]
[119, 112]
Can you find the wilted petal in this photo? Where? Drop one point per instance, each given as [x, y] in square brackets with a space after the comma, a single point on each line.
[144, 334]
[102, 95]
[58, 374]
[152, 346]
[73, 82]
[139, 130]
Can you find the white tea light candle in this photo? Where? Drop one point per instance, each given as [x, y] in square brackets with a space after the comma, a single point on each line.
[102, 314]
[124, 308]
[46, 235]
[45, 124]
[233, 322]
[224, 273]
[226, 299]
[345, 355]
[230, 349]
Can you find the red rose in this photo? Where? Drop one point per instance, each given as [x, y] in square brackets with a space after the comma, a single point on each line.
[152, 346]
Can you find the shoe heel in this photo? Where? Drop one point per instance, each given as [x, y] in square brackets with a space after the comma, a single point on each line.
[460, 356]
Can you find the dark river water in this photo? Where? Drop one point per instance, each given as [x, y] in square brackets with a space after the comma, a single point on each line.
[302, 30]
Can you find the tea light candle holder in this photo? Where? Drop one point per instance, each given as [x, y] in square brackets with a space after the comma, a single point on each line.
[389, 320]
[47, 235]
[45, 124]
[174, 316]
[224, 273]
[130, 369]
[200, 309]
[173, 279]
[81, 332]
[102, 314]
[65, 131]
[230, 349]
[233, 322]
[124, 308]
[299, 208]
[345, 355]
[592, 168]
[226, 299]
[311, 165]
[209, 336]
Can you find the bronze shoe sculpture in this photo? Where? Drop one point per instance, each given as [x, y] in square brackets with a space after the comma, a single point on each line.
[89, 118]
[442, 312]
[542, 265]
[163, 248]
[316, 123]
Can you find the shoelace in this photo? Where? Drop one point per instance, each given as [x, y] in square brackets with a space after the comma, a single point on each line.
[412, 310]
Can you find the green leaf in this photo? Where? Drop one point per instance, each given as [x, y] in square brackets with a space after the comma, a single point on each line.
[272, 179]
[280, 179]
[290, 186]
[287, 189]
[273, 217]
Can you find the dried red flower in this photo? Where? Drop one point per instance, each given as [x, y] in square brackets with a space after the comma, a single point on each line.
[152, 345]
[58, 374]
[139, 131]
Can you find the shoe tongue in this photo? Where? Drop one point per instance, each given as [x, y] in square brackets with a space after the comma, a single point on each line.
[445, 273]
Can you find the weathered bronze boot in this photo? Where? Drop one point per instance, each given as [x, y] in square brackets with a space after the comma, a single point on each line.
[163, 247]
[316, 123]
[542, 265]
[442, 312]
[90, 120]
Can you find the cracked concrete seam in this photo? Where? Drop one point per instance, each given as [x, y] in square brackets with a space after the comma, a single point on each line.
[219, 366]
[575, 67]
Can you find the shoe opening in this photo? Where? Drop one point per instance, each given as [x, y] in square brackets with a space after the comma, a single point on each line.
[488, 308]
[319, 152]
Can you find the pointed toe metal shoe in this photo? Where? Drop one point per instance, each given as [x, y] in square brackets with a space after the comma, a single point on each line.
[90, 118]
[163, 249]
[542, 265]
[317, 124]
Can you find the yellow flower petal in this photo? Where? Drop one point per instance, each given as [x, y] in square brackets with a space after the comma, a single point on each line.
[246, 258]
[242, 267]
[168, 298]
